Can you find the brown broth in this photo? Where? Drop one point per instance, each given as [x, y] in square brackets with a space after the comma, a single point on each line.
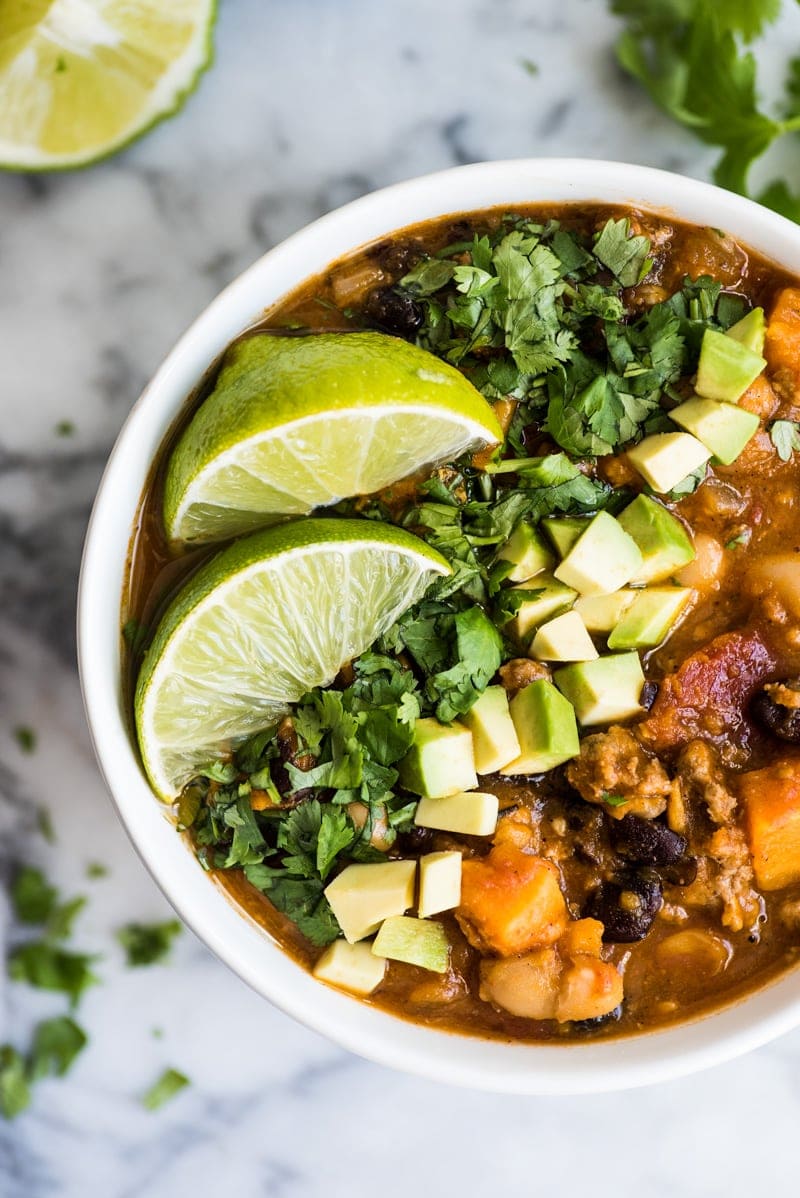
[654, 996]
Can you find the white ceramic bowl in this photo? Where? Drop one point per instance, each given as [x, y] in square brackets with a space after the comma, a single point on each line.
[485, 1064]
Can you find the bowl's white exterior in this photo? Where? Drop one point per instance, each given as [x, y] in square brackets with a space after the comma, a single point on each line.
[491, 1065]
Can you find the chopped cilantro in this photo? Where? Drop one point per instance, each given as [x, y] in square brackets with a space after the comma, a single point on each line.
[64, 428]
[47, 967]
[741, 538]
[146, 944]
[34, 899]
[623, 254]
[614, 800]
[785, 436]
[56, 1044]
[45, 824]
[96, 869]
[529, 66]
[15, 1093]
[165, 1089]
[25, 738]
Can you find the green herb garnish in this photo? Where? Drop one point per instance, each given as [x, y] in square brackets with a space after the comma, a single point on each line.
[147, 944]
[785, 436]
[165, 1089]
[25, 738]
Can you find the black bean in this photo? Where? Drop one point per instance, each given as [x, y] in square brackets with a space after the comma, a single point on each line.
[415, 840]
[395, 311]
[781, 721]
[398, 257]
[626, 908]
[592, 1025]
[648, 695]
[682, 873]
[645, 841]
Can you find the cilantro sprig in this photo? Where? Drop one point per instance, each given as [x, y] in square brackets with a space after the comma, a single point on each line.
[691, 58]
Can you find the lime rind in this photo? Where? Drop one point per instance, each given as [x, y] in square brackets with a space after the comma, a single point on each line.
[296, 423]
[264, 621]
[179, 81]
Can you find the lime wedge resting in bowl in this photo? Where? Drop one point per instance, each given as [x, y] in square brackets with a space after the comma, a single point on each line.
[298, 422]
[269, 618]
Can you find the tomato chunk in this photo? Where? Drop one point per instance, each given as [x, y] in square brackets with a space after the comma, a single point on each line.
[771, 800]
[511, 902]
[707, 695]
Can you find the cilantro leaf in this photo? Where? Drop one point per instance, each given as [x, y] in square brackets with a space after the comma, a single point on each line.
[25, 738]
[301, 899]
[47, 967]
[625, 255]
[56, 1044]
[147, 944]
[169, 1084]
[34, 899]
[15, 1094]
[785, 436]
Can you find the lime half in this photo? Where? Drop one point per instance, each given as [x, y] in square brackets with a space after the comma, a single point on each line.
[295, 423]
[80, 78]
[267, 619]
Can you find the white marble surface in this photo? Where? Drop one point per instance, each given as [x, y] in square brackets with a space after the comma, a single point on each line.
[310, 103]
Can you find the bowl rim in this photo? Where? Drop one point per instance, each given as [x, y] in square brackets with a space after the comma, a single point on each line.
[496, 1065]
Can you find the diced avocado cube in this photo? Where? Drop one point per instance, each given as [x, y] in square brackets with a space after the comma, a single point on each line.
[420, 942]
[563, 531]
[527, 553]
[726, 368]
[439, 882]
[722, 427]
[545, 724]
[663, 542]
[563, 639]
[602, 559]
[352, 967]
[650, 617]
[604, 690]
[665, 459]
[362, 896]
[440, 761]
[473, 813]
[548, 598]
[601, 612]
[494, 741]
[750, 330]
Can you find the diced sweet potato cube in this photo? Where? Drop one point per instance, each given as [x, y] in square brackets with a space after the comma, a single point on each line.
[771, 800]
[525, 986]
[589, 988]
[782, 344]
[583, 937]
[511, 902]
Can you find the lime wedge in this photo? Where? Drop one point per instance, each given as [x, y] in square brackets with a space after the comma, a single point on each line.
[267, 619]
[81, 78]
[295, 423]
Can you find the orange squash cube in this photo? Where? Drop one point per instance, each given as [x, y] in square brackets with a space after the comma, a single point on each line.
[771, 800]
[511, 902]
[782, 343]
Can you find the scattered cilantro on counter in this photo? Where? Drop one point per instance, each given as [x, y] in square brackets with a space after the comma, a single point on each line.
[25, 738]
[147, 944]
[47, 967]
[164, 1089]
[690, 57]
[56, 1044]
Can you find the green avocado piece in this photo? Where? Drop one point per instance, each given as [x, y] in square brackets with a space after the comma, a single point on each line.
[663, 541]
[548, 598]
[603, 559]
[723, 428]
[726, 367]
[494, 740]
[420, 942]
[650, 617]
[546, 728]
[750, 330]
[526, 552]
[605, 690]
[563, 531]
[600, 613]
[440, 761]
